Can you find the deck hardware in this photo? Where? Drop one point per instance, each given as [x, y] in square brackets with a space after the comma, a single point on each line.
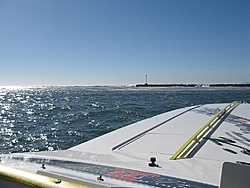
[43, 166]
[100, 178]
[153, 164]
[57, 181]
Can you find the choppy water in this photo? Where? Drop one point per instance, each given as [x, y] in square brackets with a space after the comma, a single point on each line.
[54, 118]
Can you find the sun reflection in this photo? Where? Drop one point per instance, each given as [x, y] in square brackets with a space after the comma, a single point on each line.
[11, 87]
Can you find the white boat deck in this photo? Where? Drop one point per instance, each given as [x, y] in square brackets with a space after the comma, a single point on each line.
[131, 147]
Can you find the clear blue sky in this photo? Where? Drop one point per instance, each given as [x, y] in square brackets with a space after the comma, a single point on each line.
[116, 42]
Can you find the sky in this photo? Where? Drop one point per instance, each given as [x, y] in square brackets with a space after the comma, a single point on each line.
[118, 42]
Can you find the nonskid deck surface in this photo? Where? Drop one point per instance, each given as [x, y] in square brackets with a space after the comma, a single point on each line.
[186, 154]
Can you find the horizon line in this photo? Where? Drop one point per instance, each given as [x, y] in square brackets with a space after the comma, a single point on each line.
[119, 85]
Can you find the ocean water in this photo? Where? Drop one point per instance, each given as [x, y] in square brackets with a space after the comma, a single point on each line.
[56, 118]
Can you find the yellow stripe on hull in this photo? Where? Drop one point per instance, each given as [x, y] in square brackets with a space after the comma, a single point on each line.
[16, 177]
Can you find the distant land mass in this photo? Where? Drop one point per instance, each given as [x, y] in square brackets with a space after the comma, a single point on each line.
[193, 85]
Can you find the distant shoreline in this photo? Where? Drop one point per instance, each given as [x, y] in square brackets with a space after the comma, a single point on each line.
[192, 85]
